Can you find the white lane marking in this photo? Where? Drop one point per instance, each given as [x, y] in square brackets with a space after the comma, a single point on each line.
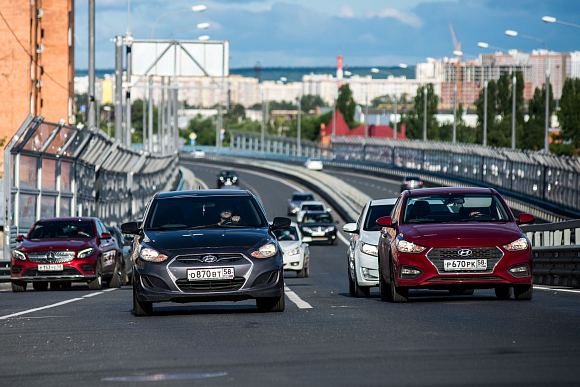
[92, 294]
[556, 289]
[41, 308]
[295, 299]
[342, 238]
[110, 290]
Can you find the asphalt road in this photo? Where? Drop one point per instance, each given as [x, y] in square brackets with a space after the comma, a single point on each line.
[325, 337]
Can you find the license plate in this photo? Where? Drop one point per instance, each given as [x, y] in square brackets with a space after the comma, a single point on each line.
[53, 267]
[318, 233]
[464, 264]
[210, 274]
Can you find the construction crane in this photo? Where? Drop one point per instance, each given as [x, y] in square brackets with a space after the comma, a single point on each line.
[459, 54]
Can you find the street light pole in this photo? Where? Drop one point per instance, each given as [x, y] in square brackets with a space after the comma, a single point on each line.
[485, 113]
[454, 113]
[514, 81]
[91, 97]
[425, 114]
[550, 19]
[298, 134]
[195, 8]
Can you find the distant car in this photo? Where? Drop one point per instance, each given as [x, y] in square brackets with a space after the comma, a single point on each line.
[313, 205]
[198, 153]
[455, 239]
[296, 199]
[363, 263]
[318, 226]
[411, 182]
[125, 243]
[227, 177]
[295, 250]
[313, 164]
[60, 251]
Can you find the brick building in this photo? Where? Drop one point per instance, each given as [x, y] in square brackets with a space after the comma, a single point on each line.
[36, 62]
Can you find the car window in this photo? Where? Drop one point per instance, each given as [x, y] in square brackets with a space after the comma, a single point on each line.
[359, 220]
[62, 229]
[374, 213]
[313, 207]
[289, 234]
[302, 198]
[455, 207]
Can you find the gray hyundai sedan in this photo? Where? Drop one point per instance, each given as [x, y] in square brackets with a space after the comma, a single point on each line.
[209, 245]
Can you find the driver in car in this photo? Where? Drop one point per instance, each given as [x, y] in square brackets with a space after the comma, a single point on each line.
[226, 213]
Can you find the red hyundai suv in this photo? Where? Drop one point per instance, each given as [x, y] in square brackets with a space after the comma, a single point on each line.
[60, 251]
[457, 239]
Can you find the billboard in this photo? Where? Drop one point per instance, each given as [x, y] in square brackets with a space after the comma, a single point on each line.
[174, 57]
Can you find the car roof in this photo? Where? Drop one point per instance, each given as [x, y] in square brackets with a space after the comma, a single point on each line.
[79, 218]
[202, 192]
[444, 190]
[306, 202]
[380, 202]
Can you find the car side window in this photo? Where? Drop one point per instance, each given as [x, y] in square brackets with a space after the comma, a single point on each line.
[359, 221]
[397, 209]
[101, 227]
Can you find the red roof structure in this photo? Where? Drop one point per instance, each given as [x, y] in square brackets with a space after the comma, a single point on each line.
[342, 129]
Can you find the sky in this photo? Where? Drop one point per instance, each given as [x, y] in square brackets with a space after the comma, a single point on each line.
[310, 33]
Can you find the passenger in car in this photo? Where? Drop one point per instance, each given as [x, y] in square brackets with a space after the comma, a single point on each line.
[226, 213]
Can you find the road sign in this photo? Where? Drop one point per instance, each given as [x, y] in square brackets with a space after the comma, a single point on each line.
[192, 136]
[83, 108]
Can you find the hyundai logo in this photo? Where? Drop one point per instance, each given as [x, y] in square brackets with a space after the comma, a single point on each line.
[209, 258]
[464, 252]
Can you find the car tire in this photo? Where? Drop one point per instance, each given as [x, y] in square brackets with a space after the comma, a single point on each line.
[397, 294]
[523, 292]
[116, 279]
[384, 288]
[307, 270]
[141, 308]
[124, 278]
[18, 287]
[361, 291]
[351, 285]
[97, 283]
[334, 242]
[276, 304]
[55, 285]
[503, 293]
[40, 286]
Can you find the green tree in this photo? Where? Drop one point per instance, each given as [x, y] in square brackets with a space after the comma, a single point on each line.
[346, 105]
[491, 110]
[310, 102]
[414, 119]
[204, 128]
[569, 113]
[533, 131]
[381, 100]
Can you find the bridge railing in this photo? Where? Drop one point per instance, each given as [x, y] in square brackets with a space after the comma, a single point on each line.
[53, 170]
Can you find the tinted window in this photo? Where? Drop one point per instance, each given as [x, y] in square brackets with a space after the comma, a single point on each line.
[63, 229]
[289, 234]
[200, 211]
[302, 198]
[312, 207]
[440, 208]
[374, 213]
[318, 218]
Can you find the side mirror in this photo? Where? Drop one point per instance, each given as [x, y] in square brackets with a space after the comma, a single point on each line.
[307, 239]
[350, 227]
[106, 235]
[280, 223]
[526, 219]
[385, 221]
[130, 228]
[19, 238]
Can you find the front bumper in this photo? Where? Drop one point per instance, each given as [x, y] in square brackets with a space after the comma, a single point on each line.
[77, 270]
[294, 262]
[371, 264]
[329, 236]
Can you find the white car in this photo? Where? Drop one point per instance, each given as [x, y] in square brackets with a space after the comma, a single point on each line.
[312, 205]
[363, 263]
[314, 164]
[295, 250]
[198, 153]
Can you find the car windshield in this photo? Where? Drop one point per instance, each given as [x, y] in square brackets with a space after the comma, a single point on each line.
[412, 178]
[62, 229]
[455, 207]
[374, 213]
[302, 198]
[204, 212]
[288, 234]
[317, 218]
[227, 173]
[312, 207]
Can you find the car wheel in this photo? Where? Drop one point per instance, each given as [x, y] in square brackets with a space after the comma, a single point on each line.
[301, 273]
[334, 241]
[115, 281]
[141, 308]
[18, 287]
[397, 294]
[40, 286]
[307, 270]
[503, 293]
[361, 291]
[384, 288]
[351, 285]
[523, 292]
[55, 285]
[124, 278]
[97, 283]
[276, 304]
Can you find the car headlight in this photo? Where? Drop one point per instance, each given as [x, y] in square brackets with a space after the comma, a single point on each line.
[517, 245]
[235, 178]
[369, 249]
[407, 247]
[148, 254]
[18, 255]
[329, 229]
[295, 251]
[266, 251]
[221, 178]
[85, 253]
[307, 229]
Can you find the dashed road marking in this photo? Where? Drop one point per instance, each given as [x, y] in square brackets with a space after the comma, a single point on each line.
[300, 303]
[557, 289]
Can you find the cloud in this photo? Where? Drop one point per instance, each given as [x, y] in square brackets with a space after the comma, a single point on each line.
[346, 11]
[405, 18]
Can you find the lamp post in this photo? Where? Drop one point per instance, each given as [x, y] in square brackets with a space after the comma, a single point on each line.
[203, 38]
[298, 144]
[195, 8]
[199, 26]
[547, 118]
[550, 19]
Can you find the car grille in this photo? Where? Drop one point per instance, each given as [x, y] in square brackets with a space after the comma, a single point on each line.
[51, 256]
[437, 255]
[210, 285]
[33, 272]
[221, 257]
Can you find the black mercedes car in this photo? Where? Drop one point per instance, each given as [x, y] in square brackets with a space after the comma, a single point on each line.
[318, 226]
[227, 178]
[207, 245]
